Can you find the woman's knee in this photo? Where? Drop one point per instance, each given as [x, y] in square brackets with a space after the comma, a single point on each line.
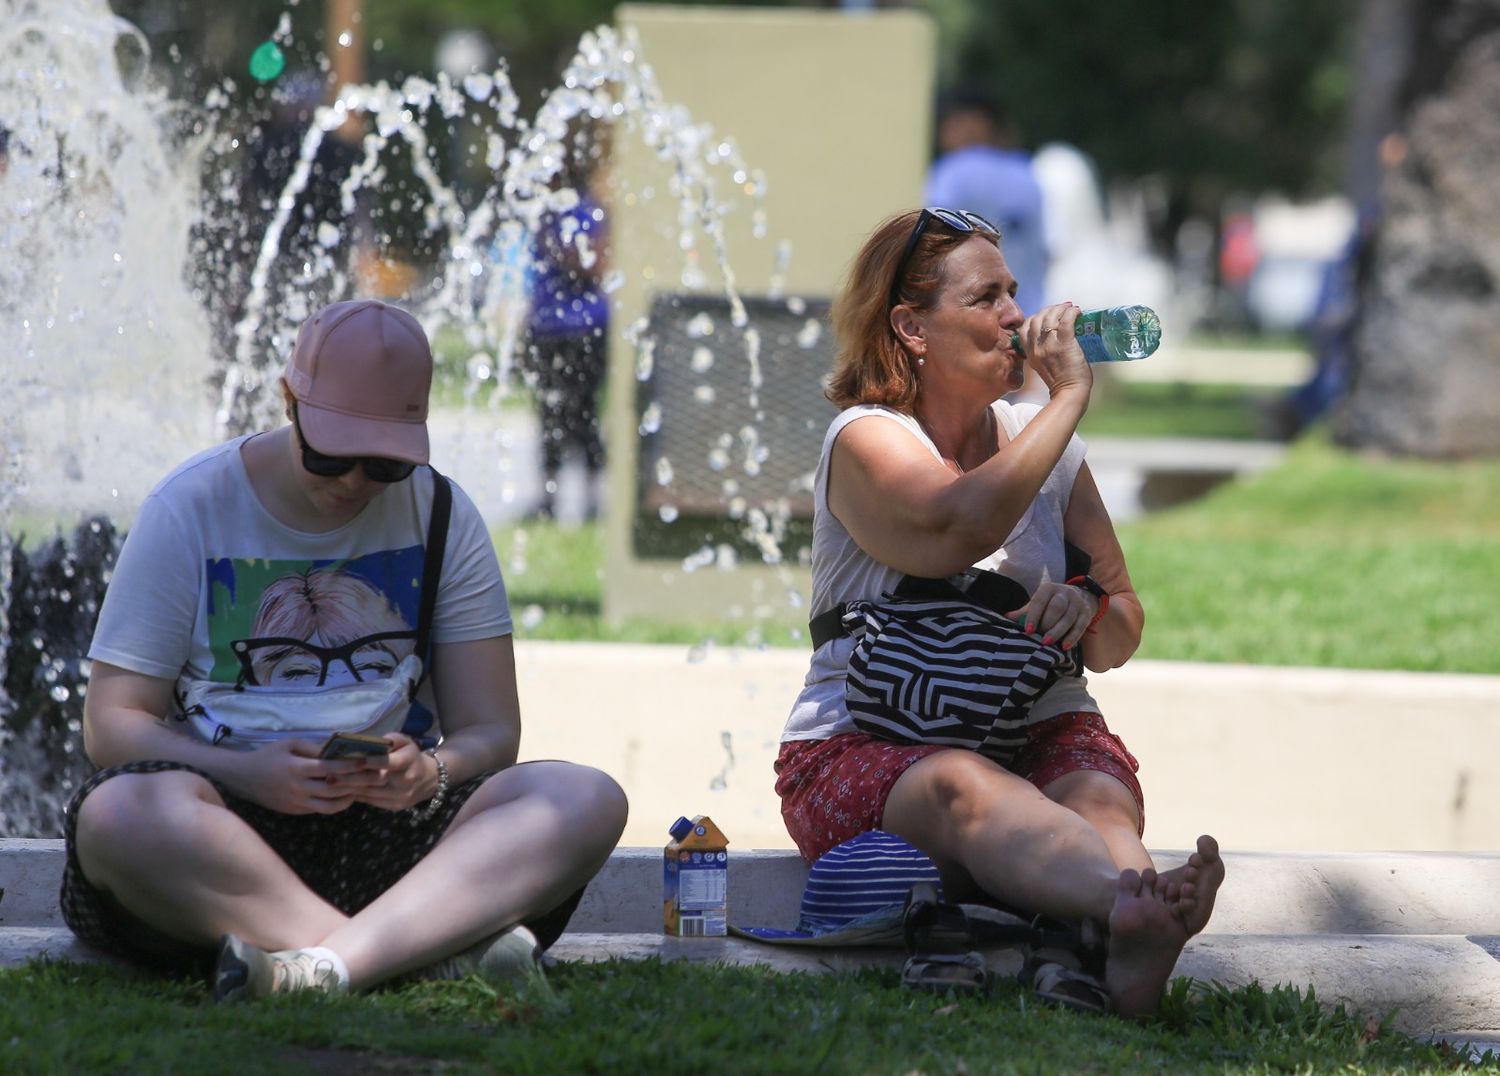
[574, 792]
[1097, 796]
[953, 795]
[130, 810]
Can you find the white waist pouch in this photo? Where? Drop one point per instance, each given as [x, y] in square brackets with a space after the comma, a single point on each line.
[244, 717]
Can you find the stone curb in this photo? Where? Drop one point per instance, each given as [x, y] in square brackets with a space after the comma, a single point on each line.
[1284, 893]
[1410, 934]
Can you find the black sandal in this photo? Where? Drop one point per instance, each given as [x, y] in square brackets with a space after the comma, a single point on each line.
[1069, 975]
[946, 973]
[1065, 987]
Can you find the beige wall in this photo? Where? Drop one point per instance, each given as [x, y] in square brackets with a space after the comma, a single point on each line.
[835, 110]
[1263, 758]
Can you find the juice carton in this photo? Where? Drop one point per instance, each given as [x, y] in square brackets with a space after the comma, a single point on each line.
[696, 880]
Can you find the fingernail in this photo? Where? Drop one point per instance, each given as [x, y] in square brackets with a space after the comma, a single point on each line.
[1067, 646]
[1046, 640]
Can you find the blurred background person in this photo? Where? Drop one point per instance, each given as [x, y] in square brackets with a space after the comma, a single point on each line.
[980, 168]
[563, 361]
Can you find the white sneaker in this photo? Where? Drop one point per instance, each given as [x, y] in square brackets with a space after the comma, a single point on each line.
[511, 956]
[244, 971]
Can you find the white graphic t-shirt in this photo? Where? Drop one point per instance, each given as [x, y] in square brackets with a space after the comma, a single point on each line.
[210, 585]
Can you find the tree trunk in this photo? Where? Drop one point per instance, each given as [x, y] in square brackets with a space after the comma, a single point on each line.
[1427, 372]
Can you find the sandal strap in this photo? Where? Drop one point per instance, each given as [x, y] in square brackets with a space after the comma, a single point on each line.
[1066, 987]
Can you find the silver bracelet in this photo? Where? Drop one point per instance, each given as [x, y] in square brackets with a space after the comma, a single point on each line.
[436, 803]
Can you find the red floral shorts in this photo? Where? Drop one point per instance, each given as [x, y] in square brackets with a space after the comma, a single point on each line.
[835, 789]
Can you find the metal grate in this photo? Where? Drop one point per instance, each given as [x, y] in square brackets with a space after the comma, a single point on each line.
[713, 444]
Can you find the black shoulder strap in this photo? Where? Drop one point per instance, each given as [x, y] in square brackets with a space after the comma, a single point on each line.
[432, 567]
[996, 592]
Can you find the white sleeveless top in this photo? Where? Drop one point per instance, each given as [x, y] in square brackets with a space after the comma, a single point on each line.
[841, 572]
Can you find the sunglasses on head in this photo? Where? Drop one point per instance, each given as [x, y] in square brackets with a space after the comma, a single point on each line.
[377, 468]
[955, 220]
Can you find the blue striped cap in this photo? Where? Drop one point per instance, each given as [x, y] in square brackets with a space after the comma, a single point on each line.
[856, 884]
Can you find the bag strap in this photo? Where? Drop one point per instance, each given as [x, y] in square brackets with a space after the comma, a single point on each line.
[995, 592]
[827, 625]
[432, 567]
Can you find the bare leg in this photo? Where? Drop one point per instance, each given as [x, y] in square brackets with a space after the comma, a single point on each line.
[529, 837]
[979, 821]
[1107, 805]
[165, 846]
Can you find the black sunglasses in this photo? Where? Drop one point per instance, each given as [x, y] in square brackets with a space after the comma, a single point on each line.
[957, 220]
[377, 468]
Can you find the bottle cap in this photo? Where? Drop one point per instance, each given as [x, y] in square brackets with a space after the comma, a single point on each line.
[680, 829]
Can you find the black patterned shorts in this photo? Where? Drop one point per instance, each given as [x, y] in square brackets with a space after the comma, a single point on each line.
[348, 859]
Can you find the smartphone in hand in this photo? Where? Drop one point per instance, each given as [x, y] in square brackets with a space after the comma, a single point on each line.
[356, 745]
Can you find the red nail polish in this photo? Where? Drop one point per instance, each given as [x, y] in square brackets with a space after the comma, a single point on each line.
[1046, 640]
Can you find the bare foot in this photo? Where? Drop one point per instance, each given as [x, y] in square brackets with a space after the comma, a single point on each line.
[1192, 887]
[1145, 938]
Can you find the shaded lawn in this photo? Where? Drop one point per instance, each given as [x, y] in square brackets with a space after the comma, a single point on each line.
[679, 1017]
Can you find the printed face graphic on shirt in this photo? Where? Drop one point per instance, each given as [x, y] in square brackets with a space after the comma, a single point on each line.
[313, 624]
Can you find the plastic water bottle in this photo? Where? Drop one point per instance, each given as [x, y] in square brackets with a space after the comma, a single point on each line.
[1115, 334]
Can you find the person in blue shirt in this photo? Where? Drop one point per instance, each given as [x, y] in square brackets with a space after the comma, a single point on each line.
[564, 360]
[980, 169]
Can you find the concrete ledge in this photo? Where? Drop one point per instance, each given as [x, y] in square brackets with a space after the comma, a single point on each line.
[1284, 893]
[1414, 932]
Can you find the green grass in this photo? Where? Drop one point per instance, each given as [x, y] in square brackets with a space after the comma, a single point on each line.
[1328, 559]
[1173, 409]
[554, 579]
[678, 1017]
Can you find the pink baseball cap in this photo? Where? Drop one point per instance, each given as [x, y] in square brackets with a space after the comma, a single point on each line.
[360, 373]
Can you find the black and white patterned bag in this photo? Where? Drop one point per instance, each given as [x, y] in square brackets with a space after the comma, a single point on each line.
[945, 671]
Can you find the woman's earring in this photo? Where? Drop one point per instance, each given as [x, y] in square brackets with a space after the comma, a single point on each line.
[921, 360]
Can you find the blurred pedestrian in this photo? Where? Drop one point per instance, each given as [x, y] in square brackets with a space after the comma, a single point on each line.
[981, 168]
[1334, 323]
[563, 362]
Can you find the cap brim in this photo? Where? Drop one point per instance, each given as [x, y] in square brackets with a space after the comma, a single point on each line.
[336, 434]
[982, 925]
[880, 928]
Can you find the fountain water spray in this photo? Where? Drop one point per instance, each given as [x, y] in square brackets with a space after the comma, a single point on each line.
[112, 366]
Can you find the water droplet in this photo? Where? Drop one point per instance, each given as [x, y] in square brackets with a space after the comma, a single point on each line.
[650, 418]
[811, 332]
[700, 326]
[703, 359]
[267, 61]
[328, 235]
[479, 86]
[667, 513]
[664, 472]
[704, 394]
[532, 617]
[59, 693]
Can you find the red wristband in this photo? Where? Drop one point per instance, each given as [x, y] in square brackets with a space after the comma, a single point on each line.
[1091, 585]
